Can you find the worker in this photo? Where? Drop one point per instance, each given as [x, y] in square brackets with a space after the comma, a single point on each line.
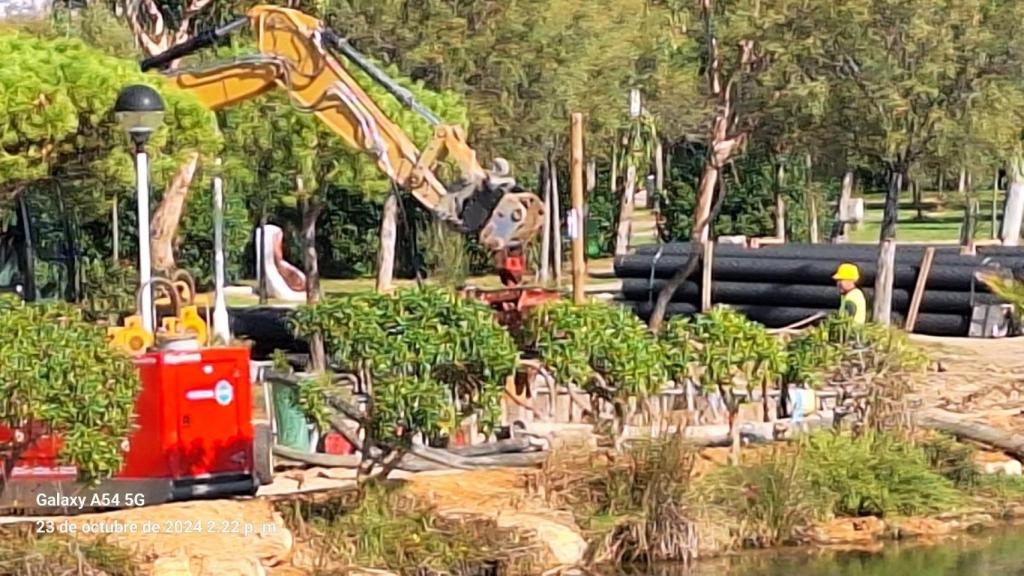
[852, 302]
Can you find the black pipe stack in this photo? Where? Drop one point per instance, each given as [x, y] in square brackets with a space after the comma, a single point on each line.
[782, 284]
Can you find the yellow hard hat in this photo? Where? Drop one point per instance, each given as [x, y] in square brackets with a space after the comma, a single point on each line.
[847, 271]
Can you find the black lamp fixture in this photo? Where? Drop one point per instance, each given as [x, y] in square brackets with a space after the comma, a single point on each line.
[139, 110]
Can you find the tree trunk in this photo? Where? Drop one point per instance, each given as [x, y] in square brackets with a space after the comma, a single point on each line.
[659, 176]
[724, 143]
[626, 212]
[1013, 212]
[942, 185]
[995, 206]
[892, 204]
[311, 209]
[556, 224]
[916, 189]
[780, 202]
[261, 258]
[812, 201]
[613, 182]
[115, 230]
[961, 187]
[955, 425]
[545, 242]
[164, 225]
[843, 210]
[388, 240]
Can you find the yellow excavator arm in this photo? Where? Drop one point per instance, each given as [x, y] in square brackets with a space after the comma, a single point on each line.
[301, 55]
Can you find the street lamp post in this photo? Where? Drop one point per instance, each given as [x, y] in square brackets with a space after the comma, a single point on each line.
[140, 110]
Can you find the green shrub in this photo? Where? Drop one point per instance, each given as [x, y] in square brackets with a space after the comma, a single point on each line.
[61, 373]
[875, 474]
[419, 351]
[603, 348]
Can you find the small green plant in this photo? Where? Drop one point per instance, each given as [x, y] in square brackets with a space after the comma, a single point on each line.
[24, 552]
[875, 474]
[953, 460]
[380, 527]
[768, 500]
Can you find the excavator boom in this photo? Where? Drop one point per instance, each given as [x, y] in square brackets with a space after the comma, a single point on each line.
[298, 53]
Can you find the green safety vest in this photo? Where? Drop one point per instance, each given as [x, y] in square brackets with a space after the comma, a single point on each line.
[853, 303]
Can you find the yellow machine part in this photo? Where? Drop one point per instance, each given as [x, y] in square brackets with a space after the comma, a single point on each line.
[131, 337]
[191, 321]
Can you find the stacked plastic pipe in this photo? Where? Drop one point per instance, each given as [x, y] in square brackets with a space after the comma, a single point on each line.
[783, 284]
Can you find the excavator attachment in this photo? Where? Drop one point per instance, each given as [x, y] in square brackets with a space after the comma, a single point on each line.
[301, 55]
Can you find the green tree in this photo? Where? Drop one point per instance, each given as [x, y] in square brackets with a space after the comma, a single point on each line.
[58, 121]
[911, 76]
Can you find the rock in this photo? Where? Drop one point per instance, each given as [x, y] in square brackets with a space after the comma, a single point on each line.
[172, 566]
[848, 531]
[918, 527]
[997, 463]
[564, 544]
[220, 566]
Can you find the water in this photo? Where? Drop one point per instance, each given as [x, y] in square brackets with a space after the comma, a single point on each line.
[995, 553]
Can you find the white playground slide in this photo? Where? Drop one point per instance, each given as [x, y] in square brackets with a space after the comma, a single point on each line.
[284, 281]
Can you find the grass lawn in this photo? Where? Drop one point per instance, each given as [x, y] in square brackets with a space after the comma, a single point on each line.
[940, 220]
[336, 286]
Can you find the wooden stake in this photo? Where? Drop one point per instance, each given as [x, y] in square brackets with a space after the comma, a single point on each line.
[705, 287]
[883, 283]
[579, 265]
[922, 280]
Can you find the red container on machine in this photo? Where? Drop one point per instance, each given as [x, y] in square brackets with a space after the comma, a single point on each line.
[194, 437]
[335, 443]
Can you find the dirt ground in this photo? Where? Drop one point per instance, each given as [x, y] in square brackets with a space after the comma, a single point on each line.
[983, 379]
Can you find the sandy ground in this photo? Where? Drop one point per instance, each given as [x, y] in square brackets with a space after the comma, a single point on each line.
[980, 378]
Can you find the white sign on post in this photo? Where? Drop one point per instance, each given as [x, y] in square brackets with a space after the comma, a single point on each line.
[573, 223]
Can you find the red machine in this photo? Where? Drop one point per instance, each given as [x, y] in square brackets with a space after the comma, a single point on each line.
[194, 438]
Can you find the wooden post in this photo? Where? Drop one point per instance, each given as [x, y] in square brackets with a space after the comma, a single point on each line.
[705, 286]
[579, 266]
[922, 280]
[882, 313]
[545, 242]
